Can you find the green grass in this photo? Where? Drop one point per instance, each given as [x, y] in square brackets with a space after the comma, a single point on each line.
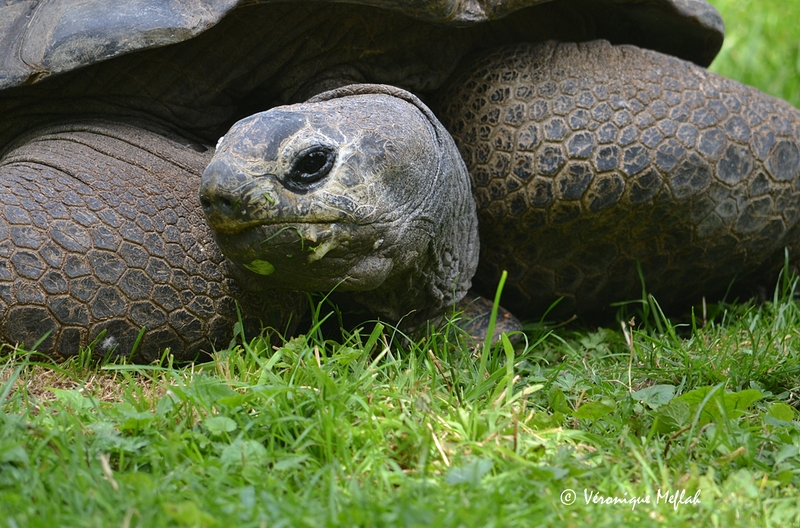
[366, 433]
[377, 431]
[762, 45]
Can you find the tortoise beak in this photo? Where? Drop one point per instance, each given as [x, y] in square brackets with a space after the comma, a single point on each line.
[223, 197]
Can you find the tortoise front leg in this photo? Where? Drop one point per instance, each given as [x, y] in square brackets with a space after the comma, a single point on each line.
[101, 232]
[588, 158]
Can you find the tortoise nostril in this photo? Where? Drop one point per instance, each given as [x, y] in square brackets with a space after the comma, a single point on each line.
[218, 204]
[223, 191]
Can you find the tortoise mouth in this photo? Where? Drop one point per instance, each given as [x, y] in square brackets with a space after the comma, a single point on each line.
[308, 256]
[223, 226]
[289, 250]
[266, 236]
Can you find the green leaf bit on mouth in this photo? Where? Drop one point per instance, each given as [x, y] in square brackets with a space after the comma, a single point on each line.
[262, 267]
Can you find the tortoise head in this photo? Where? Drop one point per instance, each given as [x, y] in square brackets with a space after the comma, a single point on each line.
[359, 189]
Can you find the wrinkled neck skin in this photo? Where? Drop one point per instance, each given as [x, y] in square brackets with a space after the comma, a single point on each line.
[390, 219]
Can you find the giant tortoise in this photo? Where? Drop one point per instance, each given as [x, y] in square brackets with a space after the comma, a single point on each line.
[595, 142]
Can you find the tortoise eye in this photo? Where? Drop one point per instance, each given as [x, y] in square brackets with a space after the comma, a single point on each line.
[310, 166]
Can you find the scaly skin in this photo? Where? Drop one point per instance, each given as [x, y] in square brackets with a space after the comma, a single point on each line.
[100, 230]
[586, 158]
